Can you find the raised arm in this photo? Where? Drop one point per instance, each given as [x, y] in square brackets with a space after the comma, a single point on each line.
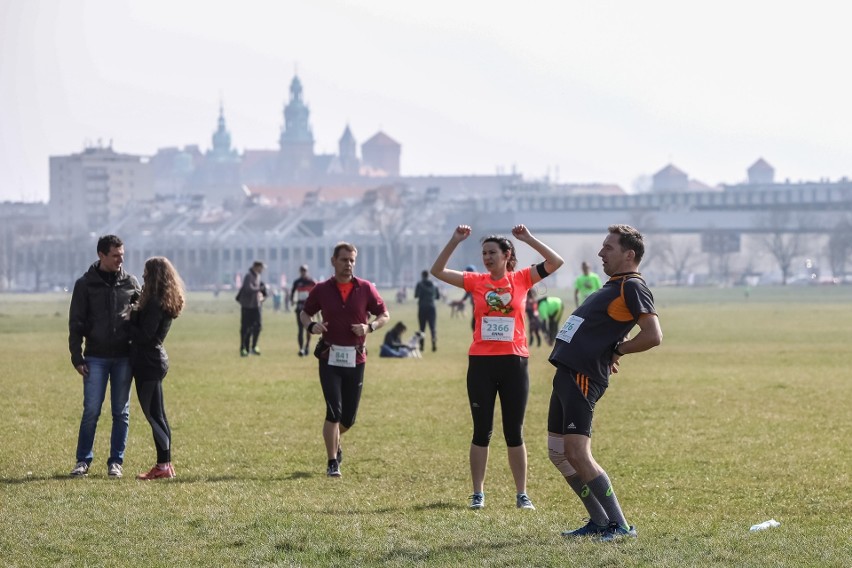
[552, 260]
[439, 268]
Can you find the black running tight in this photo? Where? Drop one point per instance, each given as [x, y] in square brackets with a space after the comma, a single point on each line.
[488, 376]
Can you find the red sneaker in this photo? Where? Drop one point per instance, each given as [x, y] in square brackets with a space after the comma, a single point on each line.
[158, 473]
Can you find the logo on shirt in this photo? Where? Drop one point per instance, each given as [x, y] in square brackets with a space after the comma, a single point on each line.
[499, 300]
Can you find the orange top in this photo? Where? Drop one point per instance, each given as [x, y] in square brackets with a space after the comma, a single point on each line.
[499, 312]
[345, 288]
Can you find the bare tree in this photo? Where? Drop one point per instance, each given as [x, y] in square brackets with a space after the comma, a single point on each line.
[840, 247]
[782, 239]
[394, 212]
[721, 266]
[720, 246]
[645, 221]
[679, 254]
[7, 255]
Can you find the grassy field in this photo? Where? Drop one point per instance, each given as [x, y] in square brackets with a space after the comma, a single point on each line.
[742, 415]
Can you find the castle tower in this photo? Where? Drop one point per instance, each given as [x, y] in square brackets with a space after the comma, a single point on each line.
[669, 179]
[381, 152]
[217, 176]
[348, 152]
[296, 142]
[761, 172]
[221, 139]
[221, 150]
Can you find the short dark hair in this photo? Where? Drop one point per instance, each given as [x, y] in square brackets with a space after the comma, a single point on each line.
[630, 239]
[107, 242]
[343, 246]
[424, 275]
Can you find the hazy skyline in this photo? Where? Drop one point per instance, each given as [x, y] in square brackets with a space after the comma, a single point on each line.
[598, 92]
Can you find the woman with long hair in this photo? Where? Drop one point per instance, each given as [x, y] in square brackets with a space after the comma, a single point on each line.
[393, 345]
[497, 359]
[161, 301]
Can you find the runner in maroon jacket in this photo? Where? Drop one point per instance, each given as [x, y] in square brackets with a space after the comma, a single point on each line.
[346, 303]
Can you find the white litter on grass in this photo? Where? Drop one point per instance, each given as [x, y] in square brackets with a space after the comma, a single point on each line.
[765, 525]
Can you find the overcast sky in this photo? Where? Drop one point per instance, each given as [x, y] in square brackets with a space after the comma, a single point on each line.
[592, 91]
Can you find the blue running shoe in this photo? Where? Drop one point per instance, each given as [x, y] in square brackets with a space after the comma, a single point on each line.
[615, 531]
[589, 529]
[522, 501]
[477, 501]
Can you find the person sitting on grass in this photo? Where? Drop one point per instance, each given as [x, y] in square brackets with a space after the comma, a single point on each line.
[393, 345]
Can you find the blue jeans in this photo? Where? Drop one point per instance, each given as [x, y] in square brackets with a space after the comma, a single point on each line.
[117, 372]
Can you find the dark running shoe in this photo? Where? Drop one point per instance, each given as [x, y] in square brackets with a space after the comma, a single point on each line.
[615, 532]
[333, 469]
[589, 529]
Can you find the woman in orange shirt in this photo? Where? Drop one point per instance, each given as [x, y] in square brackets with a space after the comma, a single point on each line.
[497, 362]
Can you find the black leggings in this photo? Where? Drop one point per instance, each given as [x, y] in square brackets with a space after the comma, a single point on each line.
[150, 395]
[426, 316]
[250, 326]
[304, 336]
[488, 375]
[341, 387]
[552, 327]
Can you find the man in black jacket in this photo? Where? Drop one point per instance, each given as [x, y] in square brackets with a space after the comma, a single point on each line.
[100, 297]
[426, 293]
[251, 296]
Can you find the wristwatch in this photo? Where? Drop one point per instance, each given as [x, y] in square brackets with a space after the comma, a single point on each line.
[372, 328]
[616, 351]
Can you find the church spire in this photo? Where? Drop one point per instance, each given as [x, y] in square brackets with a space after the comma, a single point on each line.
[296, 113]
[221, 138]
[348, 152]
[296, 156]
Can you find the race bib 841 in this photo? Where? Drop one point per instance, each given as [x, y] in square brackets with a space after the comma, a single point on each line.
[341, 356]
